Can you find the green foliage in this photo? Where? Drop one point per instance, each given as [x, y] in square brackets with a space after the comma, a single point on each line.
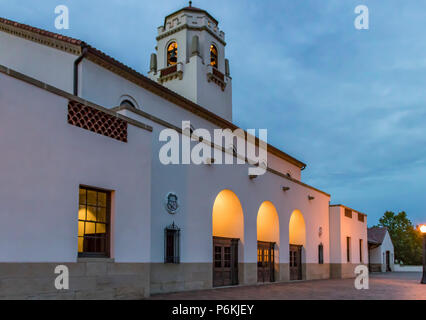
[406, 239]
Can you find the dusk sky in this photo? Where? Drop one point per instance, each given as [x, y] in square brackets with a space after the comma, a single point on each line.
[349, 103]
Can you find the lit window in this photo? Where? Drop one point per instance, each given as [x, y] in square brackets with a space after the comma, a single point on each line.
[93, 222]
[213, 56]
[172, 244]
[172, 54]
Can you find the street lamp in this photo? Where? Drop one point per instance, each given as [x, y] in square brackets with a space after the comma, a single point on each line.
[423, 231]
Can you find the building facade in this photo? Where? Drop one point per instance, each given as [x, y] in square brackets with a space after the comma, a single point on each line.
[348, 241]
[380, 250]
[85, 186]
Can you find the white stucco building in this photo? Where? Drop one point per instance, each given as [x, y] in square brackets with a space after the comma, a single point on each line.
[380, 250]
[82, 183]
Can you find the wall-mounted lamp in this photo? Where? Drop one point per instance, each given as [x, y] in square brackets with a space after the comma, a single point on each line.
[285, 188]
[253, 176]
[311, 198]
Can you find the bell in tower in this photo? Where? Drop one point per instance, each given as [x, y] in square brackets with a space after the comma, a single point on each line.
[190, 60]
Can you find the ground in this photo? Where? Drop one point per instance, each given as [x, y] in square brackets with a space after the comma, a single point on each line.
[383, 286]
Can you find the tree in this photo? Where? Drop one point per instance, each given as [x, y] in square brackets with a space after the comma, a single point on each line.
[406, 239]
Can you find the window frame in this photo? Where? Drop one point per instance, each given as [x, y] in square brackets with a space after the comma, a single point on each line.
[107, 252]
[360, 251]
[348, 249]
[211, 55]
[168, 64]
[348, 213]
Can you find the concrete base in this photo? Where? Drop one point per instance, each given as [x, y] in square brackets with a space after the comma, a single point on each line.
[105, 279]
[180, 277]
[315, 271]
[88, 279]
[343, 270]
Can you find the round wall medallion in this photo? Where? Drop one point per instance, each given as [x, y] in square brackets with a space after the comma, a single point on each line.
[172, 203]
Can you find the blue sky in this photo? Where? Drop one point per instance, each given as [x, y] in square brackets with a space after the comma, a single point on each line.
[350, 103]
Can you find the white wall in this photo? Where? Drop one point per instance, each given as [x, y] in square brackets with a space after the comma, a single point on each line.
[44, 160]
[378, 254]
[343, 227]
[197, 188]
[46, 64]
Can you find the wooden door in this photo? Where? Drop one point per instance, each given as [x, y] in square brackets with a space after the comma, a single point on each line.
[265, 261]
[225, 261]
[295, 262]
[388, 261]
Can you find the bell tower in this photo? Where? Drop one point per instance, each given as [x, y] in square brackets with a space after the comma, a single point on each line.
[190, 60]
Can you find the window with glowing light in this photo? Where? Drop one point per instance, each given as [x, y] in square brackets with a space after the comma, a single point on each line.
[93, 222]
[213, 56]
[172, 54]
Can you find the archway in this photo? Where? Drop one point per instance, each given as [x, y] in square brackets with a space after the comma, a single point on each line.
[297, 242]
[228, 232]
[268, 237]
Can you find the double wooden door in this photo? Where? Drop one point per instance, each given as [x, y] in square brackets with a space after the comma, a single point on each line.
[265, 261]
[295, 260]
[225, 261]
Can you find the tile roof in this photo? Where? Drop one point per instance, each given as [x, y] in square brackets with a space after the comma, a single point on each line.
[376, 234]
[41, 31]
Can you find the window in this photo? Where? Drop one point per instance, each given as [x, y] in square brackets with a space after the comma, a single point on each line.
[321, 254]
[172, 244]
[93, 222]
[360, 217]
[213, 56]
[127, 103]
[348, 213]
[360, 250]
[348, 249]
[172, 54]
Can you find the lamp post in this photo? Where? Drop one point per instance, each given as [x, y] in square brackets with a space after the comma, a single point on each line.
[423, 231]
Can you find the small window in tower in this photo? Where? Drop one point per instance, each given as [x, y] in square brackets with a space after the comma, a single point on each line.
[172, 52]
[213, 56]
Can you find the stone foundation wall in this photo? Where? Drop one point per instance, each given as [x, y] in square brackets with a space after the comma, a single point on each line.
[105, 279]
[88, 279]
[180, 277]
[376, 267]
[315, 271]
[343, 270]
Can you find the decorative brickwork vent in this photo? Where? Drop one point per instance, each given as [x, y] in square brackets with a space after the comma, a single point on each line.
[96, 121]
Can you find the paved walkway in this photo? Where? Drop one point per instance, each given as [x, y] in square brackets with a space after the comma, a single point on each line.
[386, 286]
